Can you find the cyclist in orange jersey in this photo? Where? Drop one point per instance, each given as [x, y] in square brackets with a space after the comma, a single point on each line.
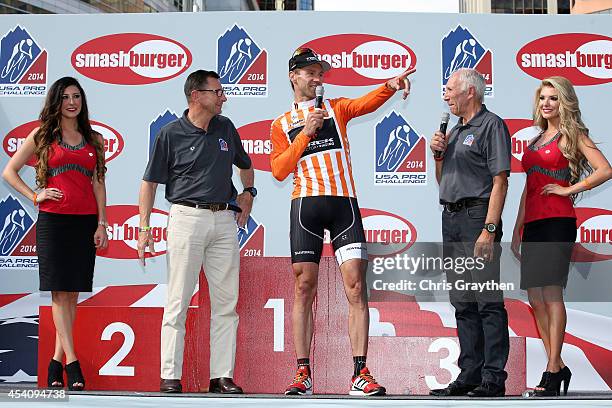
[312, 144]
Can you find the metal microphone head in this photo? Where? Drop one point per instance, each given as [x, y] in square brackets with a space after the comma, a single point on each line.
[445, 117]
[319, 90]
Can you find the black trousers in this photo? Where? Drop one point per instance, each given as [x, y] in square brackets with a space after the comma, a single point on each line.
[482, 320]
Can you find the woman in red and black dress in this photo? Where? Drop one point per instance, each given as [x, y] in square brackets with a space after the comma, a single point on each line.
[561, 162]
[71, 224]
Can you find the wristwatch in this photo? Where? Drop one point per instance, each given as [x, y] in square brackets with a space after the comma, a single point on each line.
[251, 190]
[490, 227]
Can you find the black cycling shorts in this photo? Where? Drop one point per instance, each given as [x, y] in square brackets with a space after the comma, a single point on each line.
[310, 216]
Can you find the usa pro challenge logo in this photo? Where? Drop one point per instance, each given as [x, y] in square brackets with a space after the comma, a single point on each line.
[131, 59]
[399, 153]
[362, 59]
[113, 141]
[584, 59]
[241, 64]
[460, 49]
[23, 65]
[251, 237]
[17, 236]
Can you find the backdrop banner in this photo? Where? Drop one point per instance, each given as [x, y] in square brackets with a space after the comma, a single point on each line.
[133, 67]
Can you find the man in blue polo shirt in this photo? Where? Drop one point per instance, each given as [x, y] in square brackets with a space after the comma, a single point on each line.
[472, 168]
[193, 156]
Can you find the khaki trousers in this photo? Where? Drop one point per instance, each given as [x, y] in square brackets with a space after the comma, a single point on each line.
[199, 237]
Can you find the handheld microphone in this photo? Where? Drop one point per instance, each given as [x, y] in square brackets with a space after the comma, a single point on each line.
[443, 124]
[319, 90]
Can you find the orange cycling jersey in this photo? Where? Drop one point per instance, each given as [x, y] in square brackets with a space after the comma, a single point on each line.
[321, 165]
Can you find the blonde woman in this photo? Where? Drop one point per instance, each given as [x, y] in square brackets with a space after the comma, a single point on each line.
[561, 162]
[71, 198]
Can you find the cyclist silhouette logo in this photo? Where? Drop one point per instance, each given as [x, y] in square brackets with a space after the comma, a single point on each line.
[16, 222]
[395, 139]
[465, 57]
[241, 64]
[237, 51]
[239, 58]
[17, 53]
[460, 49]
[397, 145]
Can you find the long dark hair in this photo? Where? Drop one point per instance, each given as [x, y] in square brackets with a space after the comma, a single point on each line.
[50, 129]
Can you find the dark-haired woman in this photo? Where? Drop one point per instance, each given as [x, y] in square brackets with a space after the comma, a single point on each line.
[71, 196]
[561, 162]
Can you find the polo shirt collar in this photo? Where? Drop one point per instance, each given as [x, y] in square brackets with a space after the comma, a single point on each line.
[193, 129]
[304, 104]
[477, 119]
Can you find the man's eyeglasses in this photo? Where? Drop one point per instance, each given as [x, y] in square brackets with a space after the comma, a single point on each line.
[219, 92]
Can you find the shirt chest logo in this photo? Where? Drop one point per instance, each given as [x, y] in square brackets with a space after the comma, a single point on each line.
[469, 139]
[223, 145]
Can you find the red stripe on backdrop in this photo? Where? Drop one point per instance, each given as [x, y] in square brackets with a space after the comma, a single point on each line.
[118, 295]
[6, 299]
[194, 299]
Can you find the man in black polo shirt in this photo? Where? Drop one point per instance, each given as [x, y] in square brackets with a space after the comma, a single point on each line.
[193, 157]
[472, 169]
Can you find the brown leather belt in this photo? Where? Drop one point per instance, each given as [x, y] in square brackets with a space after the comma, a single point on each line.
[214, 207]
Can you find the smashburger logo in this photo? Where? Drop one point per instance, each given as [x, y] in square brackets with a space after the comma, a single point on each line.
[521, 131]
[123, 223]
[386, 233]
[594, 237]
[131, 59]
[113, 142]
[256, 141]
[362, 59]
[584, 59]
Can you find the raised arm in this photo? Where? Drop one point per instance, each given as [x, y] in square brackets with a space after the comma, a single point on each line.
[375, 99]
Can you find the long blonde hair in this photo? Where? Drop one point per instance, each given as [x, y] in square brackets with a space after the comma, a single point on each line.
[570, 125]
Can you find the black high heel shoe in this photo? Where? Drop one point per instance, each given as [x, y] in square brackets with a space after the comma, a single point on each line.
[75, 376]
[567, 376]
[551, 384]
[55, 374]
[541, 383]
